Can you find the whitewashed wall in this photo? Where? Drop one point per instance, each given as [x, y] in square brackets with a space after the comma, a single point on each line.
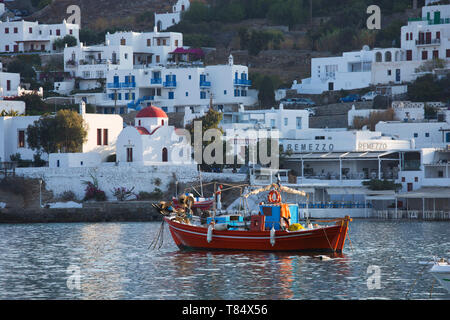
[109, 176]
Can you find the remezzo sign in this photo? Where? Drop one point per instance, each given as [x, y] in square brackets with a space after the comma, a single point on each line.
[313, 147]
[372, 146]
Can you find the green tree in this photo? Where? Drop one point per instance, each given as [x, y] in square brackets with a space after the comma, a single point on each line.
[60, 43]
[425, 88]
[197, 12]
[34, 105]
[71, 131]
[26, 71]
[211, 120]
[266, 95]
[41, 136]
[65, 132]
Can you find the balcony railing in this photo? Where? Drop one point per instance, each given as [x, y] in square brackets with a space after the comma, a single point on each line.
[156, 81]
[122, 85]
[114, 85]
[242, 82]
[170, 84]
[127, 85]
[205, 84]
[430, 21]
[428, 42]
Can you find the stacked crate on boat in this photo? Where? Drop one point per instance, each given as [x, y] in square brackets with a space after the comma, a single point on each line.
[272, 213]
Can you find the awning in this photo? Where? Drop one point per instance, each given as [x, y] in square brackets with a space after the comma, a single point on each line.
[339, 155]
[381, 197]
[427, 193]
[346, 190]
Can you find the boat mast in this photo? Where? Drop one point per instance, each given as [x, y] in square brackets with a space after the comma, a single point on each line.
[201, 184]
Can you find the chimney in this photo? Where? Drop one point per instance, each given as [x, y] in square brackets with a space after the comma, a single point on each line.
[82, 108]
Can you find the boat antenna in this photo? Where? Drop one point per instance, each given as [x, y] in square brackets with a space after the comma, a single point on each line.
[201, 184]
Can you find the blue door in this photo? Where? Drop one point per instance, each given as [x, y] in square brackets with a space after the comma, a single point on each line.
[447, 137]
[397, 75]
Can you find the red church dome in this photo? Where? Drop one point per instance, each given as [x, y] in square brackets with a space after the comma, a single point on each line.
[151, 112]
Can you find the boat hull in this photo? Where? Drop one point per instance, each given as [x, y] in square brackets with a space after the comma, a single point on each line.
[327, 239]
[442, 274]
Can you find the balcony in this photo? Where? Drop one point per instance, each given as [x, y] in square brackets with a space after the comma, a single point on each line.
[430, 42]
[242, 82]
[205, 84]
[122, 85]
[156, 81]
[114, 85]
[148, 98]
[170, 84]
[128, 85]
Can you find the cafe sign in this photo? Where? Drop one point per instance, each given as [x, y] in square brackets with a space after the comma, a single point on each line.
[372, 146]
[310, 147]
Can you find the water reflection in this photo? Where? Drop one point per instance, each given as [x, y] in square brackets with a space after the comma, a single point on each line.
[101, 249]
[116, 263]
[259, 275]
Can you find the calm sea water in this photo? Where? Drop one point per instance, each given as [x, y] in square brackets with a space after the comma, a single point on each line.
[114, 262]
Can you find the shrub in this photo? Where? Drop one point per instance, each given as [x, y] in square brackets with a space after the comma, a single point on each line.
[92, 191]
[157, 194]
[38, 161]
[68, 196]
[373, 119]
[122, 193]
[376, 184]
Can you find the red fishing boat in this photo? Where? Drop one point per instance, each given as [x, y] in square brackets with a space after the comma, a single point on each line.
[275, 228]
[326, 239]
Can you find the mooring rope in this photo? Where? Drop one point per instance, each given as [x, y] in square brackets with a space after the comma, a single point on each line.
[158, 241]
[328, 240]
[414, 284]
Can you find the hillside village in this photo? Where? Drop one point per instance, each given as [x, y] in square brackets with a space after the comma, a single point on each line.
[363, 125]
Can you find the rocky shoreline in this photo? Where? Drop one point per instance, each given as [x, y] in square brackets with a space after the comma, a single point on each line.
[136, 211]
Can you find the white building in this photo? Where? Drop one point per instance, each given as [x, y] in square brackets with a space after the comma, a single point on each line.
[353, 70]
[426, 134]
[175, 87]
[2, 8]
[90, 64]
[405, 111]
[422, 40]
[9, 83]
[286, 122]
[164, 21]
[103, 131]
[149, 48]
[25, 36]
[152, 141]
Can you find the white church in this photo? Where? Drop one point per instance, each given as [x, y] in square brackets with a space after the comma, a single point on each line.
[152, 141]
